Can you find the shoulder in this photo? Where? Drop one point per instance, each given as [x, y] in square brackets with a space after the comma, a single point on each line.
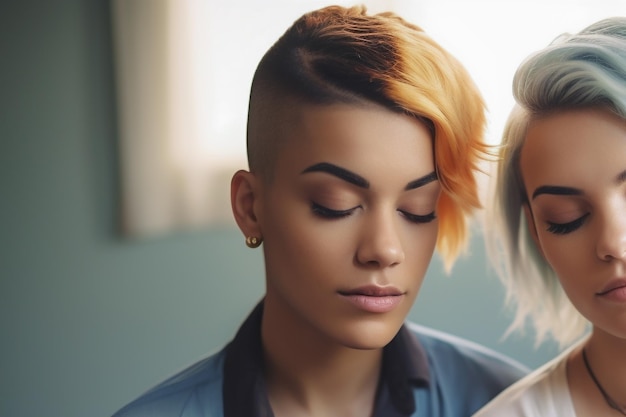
[194, 391]
[543, 392]
[453, 355]
[464, 376]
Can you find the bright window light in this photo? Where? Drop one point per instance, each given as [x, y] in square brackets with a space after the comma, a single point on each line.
[184, 69]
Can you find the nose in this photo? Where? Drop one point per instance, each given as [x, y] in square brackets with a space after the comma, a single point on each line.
[611, 242]
[380, 245]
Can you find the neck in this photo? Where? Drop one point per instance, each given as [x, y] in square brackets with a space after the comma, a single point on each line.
[606, 357]
[310, 374]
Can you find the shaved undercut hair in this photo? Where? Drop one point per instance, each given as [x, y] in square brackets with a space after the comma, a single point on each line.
[343, 55]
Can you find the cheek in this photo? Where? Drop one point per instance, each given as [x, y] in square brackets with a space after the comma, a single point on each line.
[566, 256]
[554, 253]
[420, 244]
[299, 244]
[426, 239]
[567, 270]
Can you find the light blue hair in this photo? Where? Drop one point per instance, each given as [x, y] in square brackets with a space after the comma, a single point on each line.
[585, 70]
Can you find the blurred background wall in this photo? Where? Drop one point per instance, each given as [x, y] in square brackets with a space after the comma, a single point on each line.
[88, 319]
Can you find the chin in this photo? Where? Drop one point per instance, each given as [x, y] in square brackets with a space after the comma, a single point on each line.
[370, 335]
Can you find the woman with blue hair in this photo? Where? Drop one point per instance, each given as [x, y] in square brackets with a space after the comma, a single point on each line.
[557, 231]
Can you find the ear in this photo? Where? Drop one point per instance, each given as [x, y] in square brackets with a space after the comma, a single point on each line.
[244, 200]
[532, 227]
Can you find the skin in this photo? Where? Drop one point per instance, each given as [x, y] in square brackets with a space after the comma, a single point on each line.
[326, 233]
[573, 164]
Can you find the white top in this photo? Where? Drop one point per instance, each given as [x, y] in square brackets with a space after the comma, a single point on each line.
[544, 392]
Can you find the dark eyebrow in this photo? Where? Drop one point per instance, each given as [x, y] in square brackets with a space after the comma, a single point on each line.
[556, 190]
[339, 172]
[359, 181]
[420, 182]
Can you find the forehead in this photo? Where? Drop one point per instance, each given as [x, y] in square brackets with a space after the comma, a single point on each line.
[571, 147]
[364, 137]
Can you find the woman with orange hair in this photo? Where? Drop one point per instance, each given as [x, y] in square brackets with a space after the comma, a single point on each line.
[363, 138]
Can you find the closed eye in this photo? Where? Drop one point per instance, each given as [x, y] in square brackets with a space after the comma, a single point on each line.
[417, 218]
[565, 228]
[328, 213]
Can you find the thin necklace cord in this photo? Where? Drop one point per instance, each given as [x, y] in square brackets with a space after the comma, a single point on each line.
[610, 401]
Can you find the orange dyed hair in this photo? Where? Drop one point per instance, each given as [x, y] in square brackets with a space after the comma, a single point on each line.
[343, 55]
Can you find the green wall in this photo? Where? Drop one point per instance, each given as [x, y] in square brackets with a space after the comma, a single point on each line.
[88, 320]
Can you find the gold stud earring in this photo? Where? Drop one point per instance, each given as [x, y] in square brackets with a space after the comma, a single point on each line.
[253, 241]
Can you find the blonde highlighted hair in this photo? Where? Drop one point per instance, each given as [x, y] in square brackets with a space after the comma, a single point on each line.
[585, 70]
[344, 55]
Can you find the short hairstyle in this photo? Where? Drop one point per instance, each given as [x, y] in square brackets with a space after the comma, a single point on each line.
[581, 71]
[344, 55]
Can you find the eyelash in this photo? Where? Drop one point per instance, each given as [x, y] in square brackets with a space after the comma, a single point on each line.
[338, 214]
[330, 213]
[565, 228]
[418, 218]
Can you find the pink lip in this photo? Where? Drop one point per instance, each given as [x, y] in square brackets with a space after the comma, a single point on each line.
[614, 290]
[374, 299]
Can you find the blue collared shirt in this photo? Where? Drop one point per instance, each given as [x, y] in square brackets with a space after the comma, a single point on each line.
[425, 373]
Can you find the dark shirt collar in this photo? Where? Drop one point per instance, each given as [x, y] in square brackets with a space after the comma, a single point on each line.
[404, 366]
